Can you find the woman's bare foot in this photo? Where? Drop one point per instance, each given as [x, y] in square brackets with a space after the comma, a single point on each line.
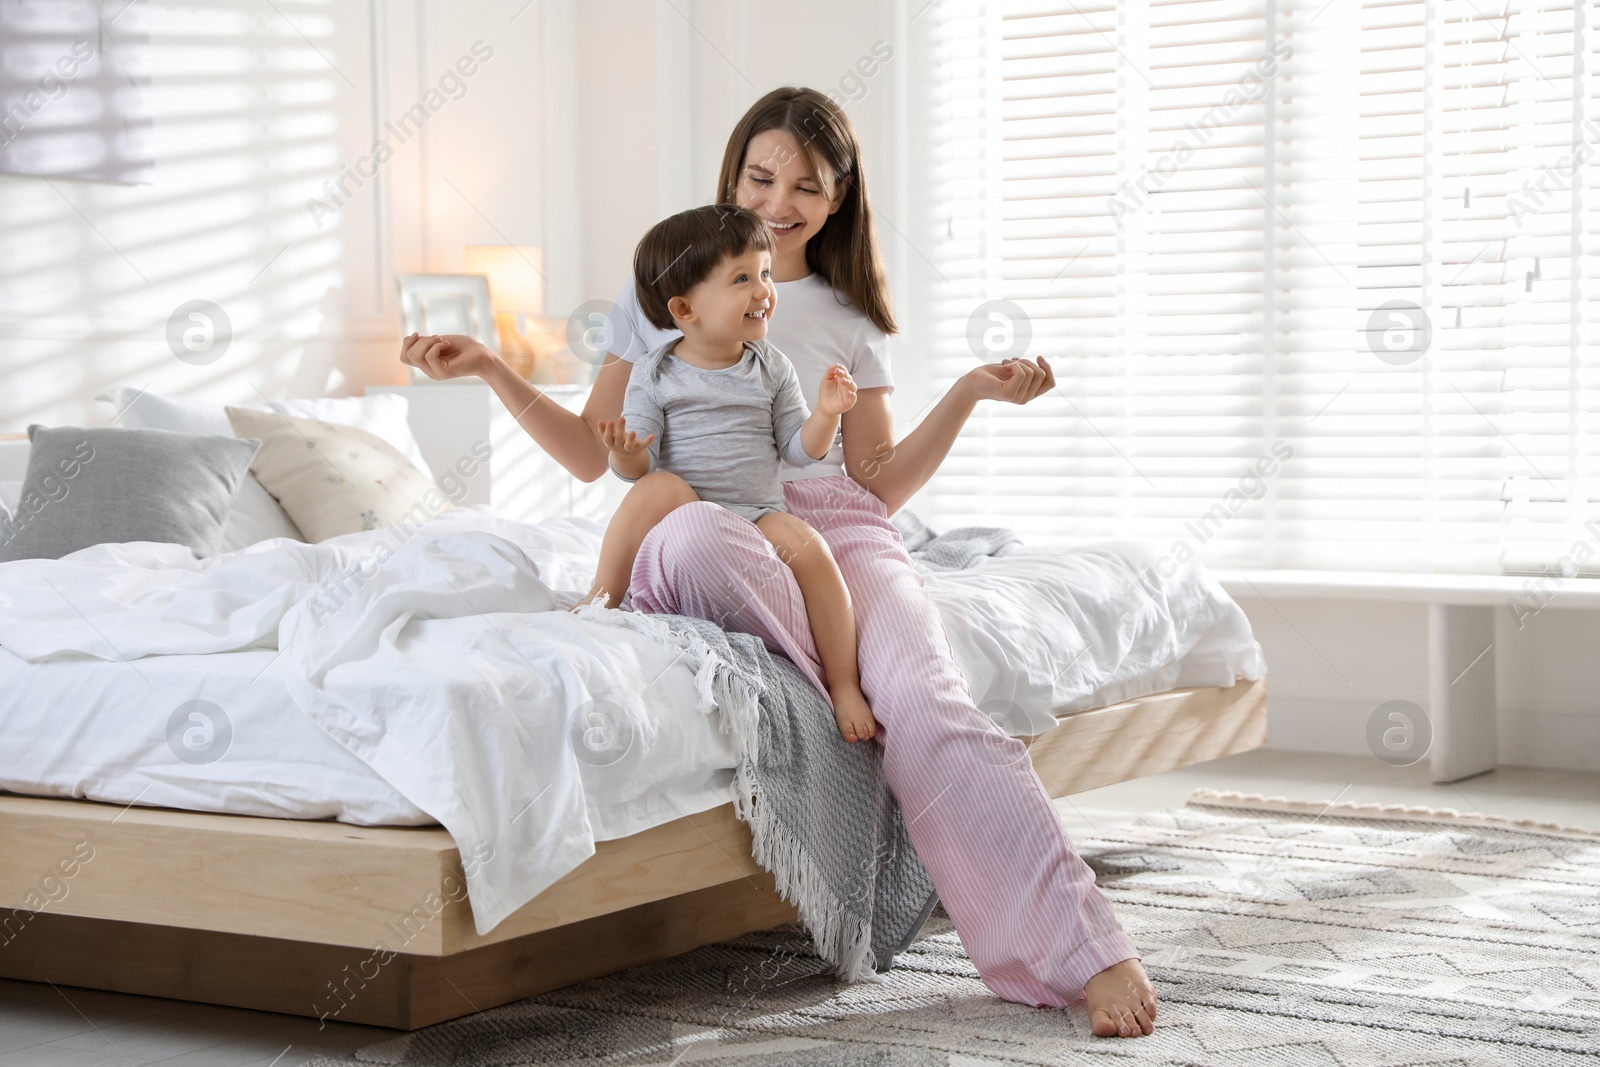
[1121, 1000]
[854, 717]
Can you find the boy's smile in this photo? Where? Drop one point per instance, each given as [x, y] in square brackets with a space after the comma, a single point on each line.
[731, 306]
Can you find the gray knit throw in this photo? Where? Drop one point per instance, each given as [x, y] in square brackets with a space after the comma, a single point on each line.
[953, 551]
[822, 817]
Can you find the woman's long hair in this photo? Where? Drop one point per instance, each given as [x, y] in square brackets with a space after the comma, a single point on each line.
[845, 251]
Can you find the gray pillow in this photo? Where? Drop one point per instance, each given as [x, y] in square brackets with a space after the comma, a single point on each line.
[93, 487]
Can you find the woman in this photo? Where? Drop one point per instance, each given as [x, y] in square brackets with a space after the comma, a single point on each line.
[1027, 909]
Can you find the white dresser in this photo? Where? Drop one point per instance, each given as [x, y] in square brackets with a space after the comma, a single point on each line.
[521, 481]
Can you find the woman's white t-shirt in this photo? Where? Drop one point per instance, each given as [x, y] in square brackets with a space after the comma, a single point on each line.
[814, 326]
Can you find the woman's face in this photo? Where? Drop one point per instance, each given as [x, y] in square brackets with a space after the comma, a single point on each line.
[778, 183]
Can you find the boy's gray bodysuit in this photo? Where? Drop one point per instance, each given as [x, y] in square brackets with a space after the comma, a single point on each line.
[722, 431]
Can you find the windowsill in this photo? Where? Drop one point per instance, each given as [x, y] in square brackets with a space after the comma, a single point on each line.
[1481, 589]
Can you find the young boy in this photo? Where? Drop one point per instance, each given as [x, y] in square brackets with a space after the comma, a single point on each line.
[709, 415]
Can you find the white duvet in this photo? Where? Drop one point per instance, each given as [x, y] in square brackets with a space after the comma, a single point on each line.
[438, 676]
[444, 663]
[1040, 632]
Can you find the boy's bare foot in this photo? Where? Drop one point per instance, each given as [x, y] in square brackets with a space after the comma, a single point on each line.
[1121, 1000]
[596, 595]
[854, 717]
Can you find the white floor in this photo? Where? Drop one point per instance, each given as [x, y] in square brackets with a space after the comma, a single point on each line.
[46, 1026]
[1570, 798]
[43, 1026]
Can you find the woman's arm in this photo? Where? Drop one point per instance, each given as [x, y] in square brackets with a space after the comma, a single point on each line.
[894, 472]
[571, 440]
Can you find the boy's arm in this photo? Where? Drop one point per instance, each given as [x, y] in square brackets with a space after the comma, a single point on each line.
[630, 454]
[796, 430]
[835, 396]
[634, 440]
[817, 435]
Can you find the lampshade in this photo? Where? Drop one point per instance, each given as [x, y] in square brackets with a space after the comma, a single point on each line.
[514, 272]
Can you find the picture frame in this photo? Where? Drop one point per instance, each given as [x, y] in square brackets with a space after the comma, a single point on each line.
[448, 303]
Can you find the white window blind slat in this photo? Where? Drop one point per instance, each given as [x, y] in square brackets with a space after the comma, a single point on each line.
[1072, 181]
[1201, 206]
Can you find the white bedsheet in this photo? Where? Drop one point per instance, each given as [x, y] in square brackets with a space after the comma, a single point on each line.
[97, 728]
[122, 635]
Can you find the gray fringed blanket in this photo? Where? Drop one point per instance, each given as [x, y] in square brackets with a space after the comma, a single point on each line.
[952, 551]
[823, 819]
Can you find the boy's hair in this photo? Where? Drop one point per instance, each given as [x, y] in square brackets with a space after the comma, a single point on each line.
[681, 252]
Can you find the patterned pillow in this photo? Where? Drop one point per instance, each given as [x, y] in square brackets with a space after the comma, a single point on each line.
[334, 479]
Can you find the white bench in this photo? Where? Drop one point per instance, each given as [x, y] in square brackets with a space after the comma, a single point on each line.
[1460, 640]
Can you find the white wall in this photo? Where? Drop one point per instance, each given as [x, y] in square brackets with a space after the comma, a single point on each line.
[590, 121]
[1332, 662]
[249, 120]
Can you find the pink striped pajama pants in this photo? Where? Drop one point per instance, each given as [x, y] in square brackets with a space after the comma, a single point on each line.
[1026, 906]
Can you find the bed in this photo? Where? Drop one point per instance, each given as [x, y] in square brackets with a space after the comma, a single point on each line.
[258, 912]
[302, 870]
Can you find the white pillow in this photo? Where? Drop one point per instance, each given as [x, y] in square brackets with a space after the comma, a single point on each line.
[14, 460]
[10, 493]
[256, 516]
[334, 479]
[383, 415]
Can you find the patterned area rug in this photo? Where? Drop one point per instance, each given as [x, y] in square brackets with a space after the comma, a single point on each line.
[1277, 932]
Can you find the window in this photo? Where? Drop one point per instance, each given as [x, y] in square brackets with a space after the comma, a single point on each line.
[1313, 279]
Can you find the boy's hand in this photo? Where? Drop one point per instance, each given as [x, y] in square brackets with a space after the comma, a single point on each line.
[837, 394]
[622, 441]
[445, 356]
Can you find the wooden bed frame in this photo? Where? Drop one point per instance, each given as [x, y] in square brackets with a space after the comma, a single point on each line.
[283, 915]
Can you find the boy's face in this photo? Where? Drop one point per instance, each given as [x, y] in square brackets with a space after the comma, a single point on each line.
[733, 303]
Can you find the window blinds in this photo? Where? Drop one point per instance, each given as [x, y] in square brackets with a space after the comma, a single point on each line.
[1313, 278]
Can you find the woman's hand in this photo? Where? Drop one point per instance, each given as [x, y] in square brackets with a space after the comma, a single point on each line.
[837, 393]
[895, 471]
[446, 356]
[622, 441]
[1015, 381]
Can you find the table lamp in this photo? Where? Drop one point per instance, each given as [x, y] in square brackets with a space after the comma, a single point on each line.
[516, 288]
